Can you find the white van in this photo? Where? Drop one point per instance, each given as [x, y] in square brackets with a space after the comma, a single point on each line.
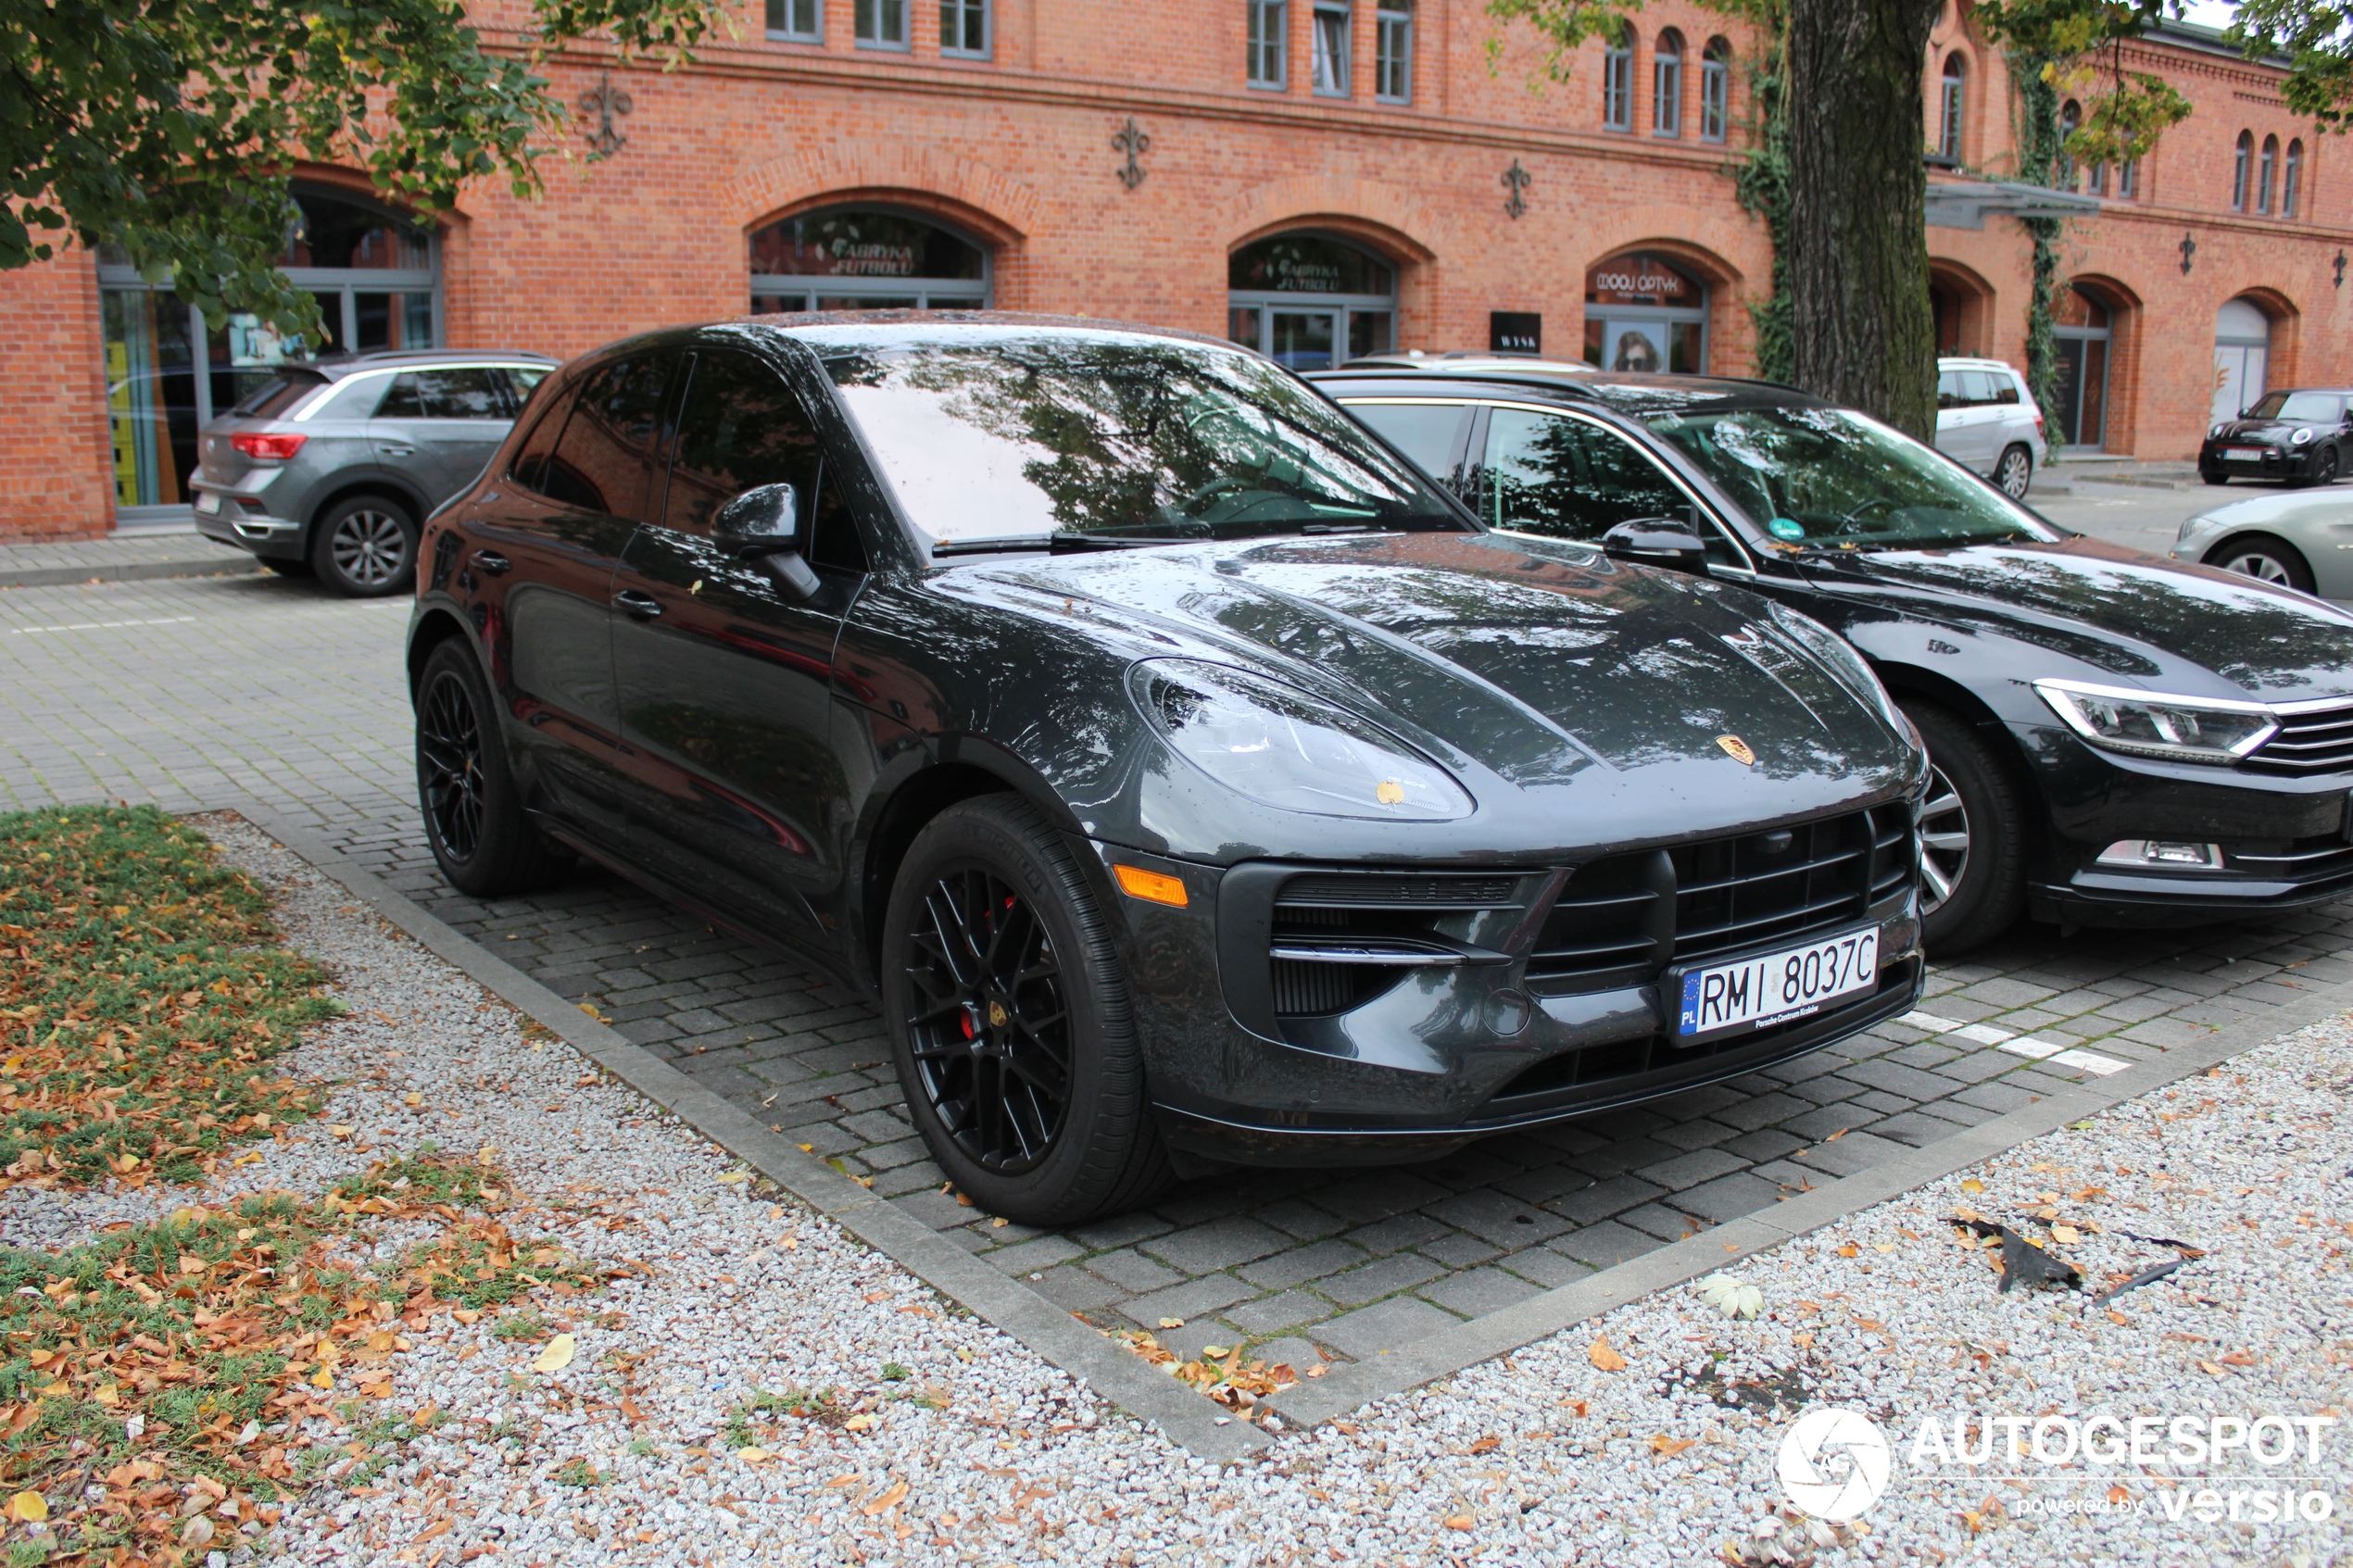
[1985, 418]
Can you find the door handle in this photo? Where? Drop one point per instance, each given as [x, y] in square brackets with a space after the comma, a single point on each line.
[397, 451]
[637, 606]
[492, 562]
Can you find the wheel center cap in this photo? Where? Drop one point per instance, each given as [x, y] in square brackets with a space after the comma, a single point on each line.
[997, 1017]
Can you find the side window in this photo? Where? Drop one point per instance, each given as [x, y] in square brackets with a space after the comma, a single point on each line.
[742, 427]
[1977, 388]
[530, 468]
[2005, 387]
[356, 399]
[1428, 433]
[603, 459]
[470, 393]
[525, 380]
[1545, 473]
[1948, 389]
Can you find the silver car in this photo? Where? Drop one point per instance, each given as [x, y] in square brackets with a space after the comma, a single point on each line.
[1986, 421]
[2300, 539]
[334, 467]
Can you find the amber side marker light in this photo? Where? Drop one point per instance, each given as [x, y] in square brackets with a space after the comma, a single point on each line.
[1153, 887]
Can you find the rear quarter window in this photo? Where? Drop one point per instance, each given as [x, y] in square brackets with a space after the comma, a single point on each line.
[274, 398]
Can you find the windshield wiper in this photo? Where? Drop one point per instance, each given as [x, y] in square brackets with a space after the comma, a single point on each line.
[1052, 544]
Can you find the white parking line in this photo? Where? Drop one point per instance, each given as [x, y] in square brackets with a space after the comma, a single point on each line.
[2016, 1044]
[100, 626]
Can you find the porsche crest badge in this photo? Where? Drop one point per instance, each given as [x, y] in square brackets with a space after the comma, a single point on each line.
[1737, 749]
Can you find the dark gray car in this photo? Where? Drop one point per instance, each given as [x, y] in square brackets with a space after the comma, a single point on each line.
[333, 466]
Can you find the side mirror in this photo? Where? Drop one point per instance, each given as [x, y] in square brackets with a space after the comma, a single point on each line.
[763, 520]
[763, 525]
[1658, 541]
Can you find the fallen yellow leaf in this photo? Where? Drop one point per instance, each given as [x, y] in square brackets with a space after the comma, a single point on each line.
[753, 1456]
[556, 1357]
[1171, 1323]
[865, 1422]
[1459, 1522]
[1973, 1185]
[27, 1508]
[412, 1101]
[341, 1129]
[323, 1378]
[2066, 1235]
[1601, 1356]
[888, 1499]
[1670, 1446]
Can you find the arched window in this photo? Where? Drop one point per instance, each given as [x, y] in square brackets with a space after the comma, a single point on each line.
[2242, 356]
[2263, 178]
[1618, 83]
[2084, 326]
[2071, 116]
[2128, 180]
[865, 258]
[1310, 300]
[1666, 84]
[1645, 313]
[1948, 141]
[1714, 90]
[2240, 167]
[2290, 190]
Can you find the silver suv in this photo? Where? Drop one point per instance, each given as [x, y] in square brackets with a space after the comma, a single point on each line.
[333, 467]
[1986, 421]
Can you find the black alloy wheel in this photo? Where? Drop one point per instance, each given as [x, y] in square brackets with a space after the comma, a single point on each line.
[1972, 836]
[990, 1033]
[2015, 472]
[1011, 1022]
[2261, 556]
[474, 819]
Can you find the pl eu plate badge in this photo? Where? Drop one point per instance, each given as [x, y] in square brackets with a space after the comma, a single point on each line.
[1737, 749]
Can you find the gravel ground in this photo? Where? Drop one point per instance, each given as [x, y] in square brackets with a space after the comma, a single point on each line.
[946, 1442]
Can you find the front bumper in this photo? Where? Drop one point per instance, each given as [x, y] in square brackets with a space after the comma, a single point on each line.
[2275, 462]
[1509, 1021]
[2286, 839]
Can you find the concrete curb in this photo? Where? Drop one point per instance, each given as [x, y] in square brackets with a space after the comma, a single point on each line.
[1142, 1390]
[1184, 1417]
[1497, 1332]
[223, 565]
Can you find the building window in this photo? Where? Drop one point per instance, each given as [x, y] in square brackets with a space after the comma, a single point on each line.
[1666, 84]
[1394, 52]
[1948, 141]
[2240, 170]
[882, 24]
[2290, 192]
[1617, 84]
[2097, 184]
[1311, 301]
[865, 258]
[2263, 176]
[2128, 180]
[1266, 47]
[800, 21]
[1714, 90]
[1329, 61]
[1645, 313]
[2070, 117]
[963, 28]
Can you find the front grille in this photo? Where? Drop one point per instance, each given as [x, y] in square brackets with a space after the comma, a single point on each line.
[1622, 920]
[2310, 741]
[1335, 908]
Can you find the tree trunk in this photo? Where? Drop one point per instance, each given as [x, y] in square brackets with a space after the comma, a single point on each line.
[1859, 240]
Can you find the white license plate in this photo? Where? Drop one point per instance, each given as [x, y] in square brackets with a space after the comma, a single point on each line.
[2244, 454]
[1732, 998]
[208, 501]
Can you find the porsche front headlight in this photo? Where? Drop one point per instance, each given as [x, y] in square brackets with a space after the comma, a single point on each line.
[1278, 746]
[2180, 729]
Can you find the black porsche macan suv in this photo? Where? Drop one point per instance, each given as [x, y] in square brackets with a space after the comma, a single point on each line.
[1191, 782]
[2117, 738]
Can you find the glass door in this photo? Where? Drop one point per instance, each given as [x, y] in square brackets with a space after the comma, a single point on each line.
[1637, 346]
[1302, 340]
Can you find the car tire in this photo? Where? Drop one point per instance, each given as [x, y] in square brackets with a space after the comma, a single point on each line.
[365, 548]
[2323, 468]
[1972, 836]
[2214, 478]
[2015, 472]
[473, 813]
[2263, 557]
[976, 1027]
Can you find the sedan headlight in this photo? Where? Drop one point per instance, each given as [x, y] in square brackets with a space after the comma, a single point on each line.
[1280, 745]
[2180, 729]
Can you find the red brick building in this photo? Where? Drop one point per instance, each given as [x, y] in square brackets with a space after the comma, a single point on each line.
[1315, 177]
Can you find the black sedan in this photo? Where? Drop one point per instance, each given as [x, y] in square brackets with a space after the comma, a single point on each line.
[2117, 738]
[2299, 437]
[1191, 782]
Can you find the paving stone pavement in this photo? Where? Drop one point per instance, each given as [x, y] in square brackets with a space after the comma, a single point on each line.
[184, 693]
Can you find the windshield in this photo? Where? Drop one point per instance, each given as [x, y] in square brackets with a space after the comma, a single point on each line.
[2313, 407]
[1833, 478]
[1105, 437]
